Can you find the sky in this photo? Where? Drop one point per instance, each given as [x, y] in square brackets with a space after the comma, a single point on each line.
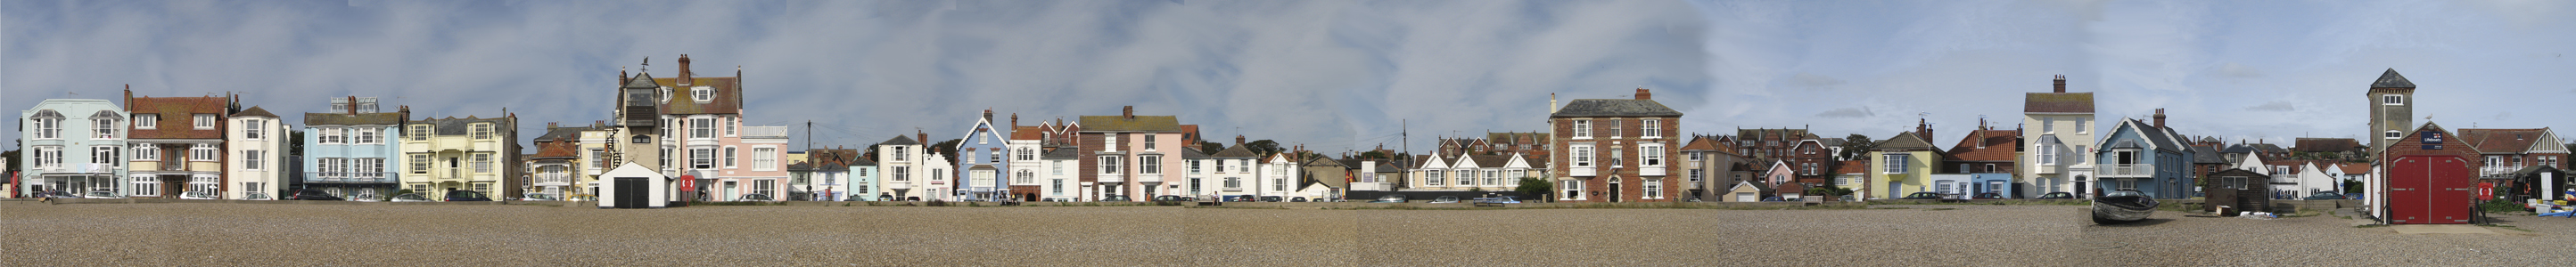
[1330, 75]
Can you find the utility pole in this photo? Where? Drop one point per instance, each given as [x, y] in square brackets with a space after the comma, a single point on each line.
[809, 135]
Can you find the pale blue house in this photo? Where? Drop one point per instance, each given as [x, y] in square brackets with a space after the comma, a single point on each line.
[981, 161]
[354, 150]
[75, 146]
[863, 180]
[2145, 157]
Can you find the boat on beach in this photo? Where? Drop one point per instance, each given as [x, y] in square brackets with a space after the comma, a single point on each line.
[2123, 206]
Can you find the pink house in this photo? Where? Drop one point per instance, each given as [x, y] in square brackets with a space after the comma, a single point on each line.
[706, 139]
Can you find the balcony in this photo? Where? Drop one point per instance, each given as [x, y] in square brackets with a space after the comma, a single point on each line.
[349, 177]
[2498, 170]
[2128, 170]
[764, 132]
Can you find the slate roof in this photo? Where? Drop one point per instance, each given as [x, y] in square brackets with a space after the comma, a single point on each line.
[2058, 103]
[2390, 79]
[561, 133]
[1237, 151]
[2161, 138]
[1490, 161]
[2326, 145]
[1906, 140]
[1122, 124]
[458, 126]
[1062, 153]
[1999, 146]
[833, 159]
[2238, 149]
[2206, 154]
[2506, 141]
[254, 111]
[1613, 108]
[178, 116]
[899, 140]
[1192, 153]
[385, 118]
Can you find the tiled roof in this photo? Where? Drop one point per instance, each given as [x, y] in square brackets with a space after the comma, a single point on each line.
[2206, 154]
[1613, 108]
[1490, 161]
[2058, 103]
[2509, 141]
[1700, 144]
[1851, 166]
[727, 97]
[833, 159]
[547, 150]
[2390, 79]
[178, 115]
[387, 118]
[1237, 151]
[2354, 168]
[1999, 146]
[254, 111]
[1028, 132]
[2326, 145]
[1139, 124]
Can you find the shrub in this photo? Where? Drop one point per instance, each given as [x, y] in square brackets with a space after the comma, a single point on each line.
[938, 203]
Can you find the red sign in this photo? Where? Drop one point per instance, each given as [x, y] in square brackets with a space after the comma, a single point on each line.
[2486, 190]
[688, 182]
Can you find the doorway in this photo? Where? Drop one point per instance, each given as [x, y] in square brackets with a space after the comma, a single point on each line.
[631, 193]
[1614, 189]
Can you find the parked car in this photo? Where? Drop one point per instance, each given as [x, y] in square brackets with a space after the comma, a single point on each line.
[196, 195]
[1116, 199]
[2056, 195]
[1297, 199]
[1445, 199]
[754, 197]
[366, 198]
[1056, 199]
[537, 197]
[1989, 196]
[256, 196]
[1922, 195]
[415, 197]
[466, 195]
[1390, 199]
[2325, 196]
[1171, 198]
[1502, 200]
[1272, 199]
[311, 194]
[62, 194]
[100, 194]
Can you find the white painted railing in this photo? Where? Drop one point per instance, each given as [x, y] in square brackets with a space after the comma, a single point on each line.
[764, 131]
[2128, 170]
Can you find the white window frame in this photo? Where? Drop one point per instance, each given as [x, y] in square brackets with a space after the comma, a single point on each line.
[1654, 188]
[1654, 128]
[481, 131]
[732, 157]
[254, 128]
[1582, 129]
[1466, 178]
[702, 158]
[203, 152]
[482, 162]
[1109, 164]
[103, 128]
[106, 155]
[1196, 168]
[764, 158]
[206, 121]
[147, 121]
[2047, 154]
[902, 173]
[1493, 177]
[1895, 163]
[729, 125]
[49, 128]
[145, 185]
[418, 132]
[330, 136]
[1652, 154]
[702, 128]
[252, 160]
[1582, 155]
[1149, 164]
[1433, 178]
[702, 94]
[1695, 175]
[147, 152]
[420, 163]
[1058, 167]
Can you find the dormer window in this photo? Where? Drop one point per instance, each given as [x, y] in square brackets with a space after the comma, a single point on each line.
[482, 130]
[664, 93]
[702, 94]
[147, 121]
[205, 121]
[106, 128]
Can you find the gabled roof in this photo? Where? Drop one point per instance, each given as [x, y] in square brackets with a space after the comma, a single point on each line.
[1192, 153]
[1614, 108]
[561, 133]
[2354, 168]
[2057, 103]
[2390, 79]
[1063, 153]
[2206, 154]
[1999, 146]
[557, 150]
[1491, 161]
[1123, 124]
[254, 111]
[2156, 138]
[453, 126]
[899, 140]
[1237, 151]
[1851, 167]
[385, 118]
[1906, 140]
[1700, 144]
[727, 98]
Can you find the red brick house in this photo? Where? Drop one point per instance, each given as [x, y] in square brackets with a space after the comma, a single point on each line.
[2502, 152]
[177, 144]
[1615, 150]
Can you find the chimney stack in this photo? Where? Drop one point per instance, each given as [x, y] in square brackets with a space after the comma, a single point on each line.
[1015, 121]
[353, 105]
[1128, 113]
[1642, 94]
[988, 115]
[1923, 128]
[2160, 118]
[550, 125]
[924, 136]
[1238, 140]
[1551, 103]
[684, 70]
[2062, 77]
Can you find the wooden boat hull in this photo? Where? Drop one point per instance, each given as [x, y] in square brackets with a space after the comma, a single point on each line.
[2116, 209]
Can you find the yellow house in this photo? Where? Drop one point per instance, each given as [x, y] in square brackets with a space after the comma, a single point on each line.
[453, 154]
[1900, 165]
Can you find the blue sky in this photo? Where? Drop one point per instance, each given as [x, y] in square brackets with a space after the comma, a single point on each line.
[1332, 75]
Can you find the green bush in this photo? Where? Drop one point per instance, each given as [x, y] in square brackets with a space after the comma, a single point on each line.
[2500, 206]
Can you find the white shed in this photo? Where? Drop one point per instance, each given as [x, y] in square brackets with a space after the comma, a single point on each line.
[631, 186]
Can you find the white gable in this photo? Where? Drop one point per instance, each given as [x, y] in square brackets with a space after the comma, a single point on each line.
[1516, 162]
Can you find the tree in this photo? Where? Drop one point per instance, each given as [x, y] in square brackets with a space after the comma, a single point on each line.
[1210, 147]
[1265, 147]
[1372, 155]
[1828, 190]
[947, 149]
[1856, 145]
[1535, 187]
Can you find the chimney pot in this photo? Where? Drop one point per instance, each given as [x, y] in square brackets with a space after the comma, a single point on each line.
[684, 70]
[1643, 94]
[2062, 80]
[1129, 112]
[2160, 118]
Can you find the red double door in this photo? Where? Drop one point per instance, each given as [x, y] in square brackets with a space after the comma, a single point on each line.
[2428, 189]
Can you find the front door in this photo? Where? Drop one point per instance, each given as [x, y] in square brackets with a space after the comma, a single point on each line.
[1614, 191]
[728, 194]
[631, 193]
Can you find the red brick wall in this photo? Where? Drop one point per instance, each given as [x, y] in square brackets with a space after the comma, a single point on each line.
[1631, 189]
[2413, 144]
